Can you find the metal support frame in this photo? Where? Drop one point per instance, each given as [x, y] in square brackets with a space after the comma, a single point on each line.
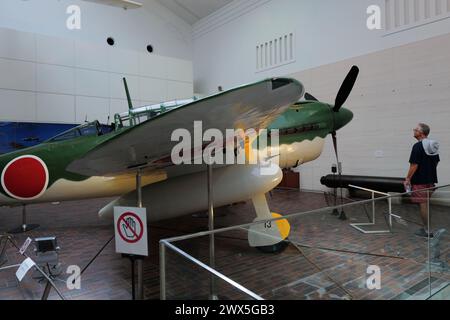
[46, 293]
[335, 211]
[49, 284]
[10, 267]
[429, 243]
[132, 259]
[212, 258]
[139, 261]
[24, 227]
[212, 255]
[358, 226]
[166, 243]
[162, 271]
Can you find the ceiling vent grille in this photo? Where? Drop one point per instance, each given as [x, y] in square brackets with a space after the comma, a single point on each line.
[275, 53]
[401, 15]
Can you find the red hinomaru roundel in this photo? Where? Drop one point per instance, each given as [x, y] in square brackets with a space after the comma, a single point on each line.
[25, 177]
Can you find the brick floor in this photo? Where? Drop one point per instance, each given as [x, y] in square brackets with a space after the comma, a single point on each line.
[331, 263]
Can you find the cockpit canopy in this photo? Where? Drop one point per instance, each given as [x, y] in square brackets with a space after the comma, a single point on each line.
[138, 115]
[89, 129]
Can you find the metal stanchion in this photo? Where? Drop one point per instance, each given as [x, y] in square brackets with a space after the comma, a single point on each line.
[139, 261]
[133, 281]
[139, 187]
[24, 227]
[429, 242]
[212, 258]
[46, 293]
[162, 270]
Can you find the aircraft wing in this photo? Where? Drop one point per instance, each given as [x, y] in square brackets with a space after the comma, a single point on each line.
[149, 143]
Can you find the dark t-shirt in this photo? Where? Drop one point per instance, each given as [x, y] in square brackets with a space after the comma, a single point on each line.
[426, 172]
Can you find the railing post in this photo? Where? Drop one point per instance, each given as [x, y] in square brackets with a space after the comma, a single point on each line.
[212, 255]
[390, 213]
[429, 242]
[162, 270]
[373, 207]
[139, 262]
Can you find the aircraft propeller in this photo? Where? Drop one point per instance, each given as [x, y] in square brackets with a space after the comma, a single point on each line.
[342, 96]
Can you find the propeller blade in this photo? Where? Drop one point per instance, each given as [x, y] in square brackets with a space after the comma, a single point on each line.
[346, 88]
[310, 97]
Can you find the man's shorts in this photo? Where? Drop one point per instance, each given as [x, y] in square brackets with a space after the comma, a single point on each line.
[421, 196]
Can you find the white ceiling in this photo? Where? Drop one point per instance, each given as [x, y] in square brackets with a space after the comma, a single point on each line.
[193, 10]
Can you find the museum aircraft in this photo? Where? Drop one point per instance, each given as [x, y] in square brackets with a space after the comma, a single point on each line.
[88, 162]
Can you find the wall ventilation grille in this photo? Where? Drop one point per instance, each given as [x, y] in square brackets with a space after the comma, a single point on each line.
[276, 52]
[402, 15]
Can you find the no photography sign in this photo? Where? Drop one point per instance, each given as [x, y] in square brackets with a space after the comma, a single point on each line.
[130, 225]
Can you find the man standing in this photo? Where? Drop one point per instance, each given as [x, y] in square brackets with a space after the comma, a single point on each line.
[422, 172]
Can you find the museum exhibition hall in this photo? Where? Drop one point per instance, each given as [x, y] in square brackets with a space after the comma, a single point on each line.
[232, 150]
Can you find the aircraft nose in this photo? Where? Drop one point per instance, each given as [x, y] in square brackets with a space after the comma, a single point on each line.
[342, 118]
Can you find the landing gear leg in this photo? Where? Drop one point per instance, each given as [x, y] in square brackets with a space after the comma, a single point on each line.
[268, 236]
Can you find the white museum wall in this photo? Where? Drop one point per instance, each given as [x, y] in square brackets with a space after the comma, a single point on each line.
[378, 141]
[325, 31]
[56, 75]
[132, 29]
[403, 80]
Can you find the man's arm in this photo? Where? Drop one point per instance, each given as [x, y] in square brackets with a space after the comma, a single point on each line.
[412, 169]
[414, 161]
